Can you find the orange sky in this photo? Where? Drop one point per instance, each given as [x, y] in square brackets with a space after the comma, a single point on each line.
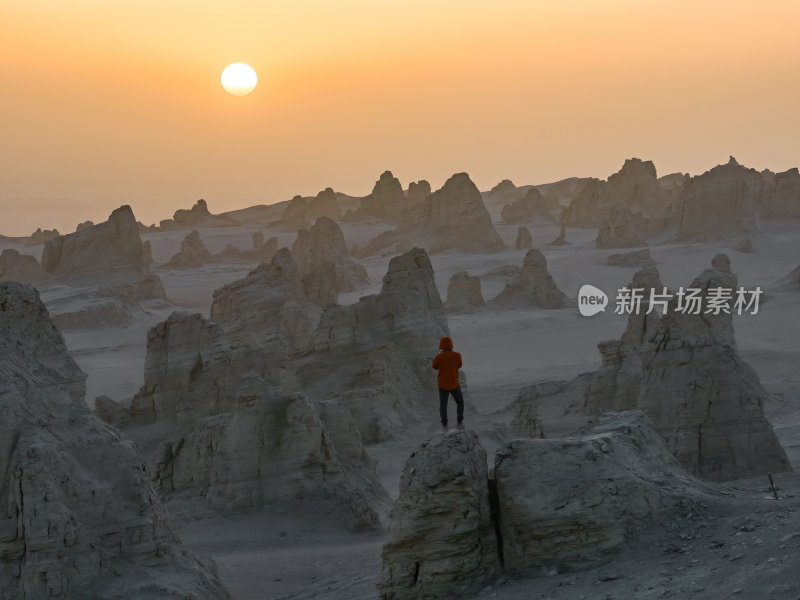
[105, 103]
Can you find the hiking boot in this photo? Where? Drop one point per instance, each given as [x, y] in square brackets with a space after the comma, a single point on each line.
[461, 426]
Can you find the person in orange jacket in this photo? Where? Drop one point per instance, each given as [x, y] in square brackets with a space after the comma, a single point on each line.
[448, 363]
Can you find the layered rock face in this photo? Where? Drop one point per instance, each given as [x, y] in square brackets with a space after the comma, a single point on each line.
[374, 356]
[451, 218]
[639, 259]
[21, 268]
[441, 542]
[569, 504]
[418, 192]
[325, 264]
[463, 293]
[39, 237]
[110, 254]
[84, 225]
[721, 202]
[524, 239]
[532, 286]
[783, 200]
[387, 200]
[531, 204]
[301, 212]
[192, 255]
[81, 519]
[197, 215]
[634, 187]
[268, 306]
[232, 438]
[684, 372]
[621, 229]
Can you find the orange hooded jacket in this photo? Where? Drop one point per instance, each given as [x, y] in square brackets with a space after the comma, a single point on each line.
[447, 363]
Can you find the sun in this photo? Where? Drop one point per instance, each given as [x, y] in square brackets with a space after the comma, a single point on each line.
[239, 79]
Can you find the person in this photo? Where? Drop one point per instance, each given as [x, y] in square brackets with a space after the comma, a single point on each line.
[448, 363]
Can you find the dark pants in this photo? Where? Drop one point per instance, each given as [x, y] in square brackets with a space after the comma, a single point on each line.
[444, 396]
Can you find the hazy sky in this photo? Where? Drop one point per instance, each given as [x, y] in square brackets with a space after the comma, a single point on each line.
[106, 102]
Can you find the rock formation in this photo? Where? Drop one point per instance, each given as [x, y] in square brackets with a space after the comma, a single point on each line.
[84, 225]
[258, 240]
[269, 305]
[783, 199]
[441, 542]
[110, 254]
[684, 372]
[231, 438]
[373, 356]
[721, 203]
[524, 238]
[638, 258]
[301, 212]
[621, 229]
[533, 286]
[561, 239]
[531, 204]
[195, 216]
[39, 236]
[325, 264]
[453, 217]
[192, 255]
[80, 518]
[386, 202]
[463, 293]
[745, 246]
[21, 268]
[635, 187]
[418, 192]
[569, 504]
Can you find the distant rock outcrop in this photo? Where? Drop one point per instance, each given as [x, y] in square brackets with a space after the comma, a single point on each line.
[683, 370]
[635, 187]
[301, 212]
[783, 199]
[110, 255]
[570, 504]
[373, 356]
[638, 258]
[561, 239]
[441, 542]
[80, 518]
[84, 225]
[21, 268]
[524, 238]
[198, 215]
[221, 434]
[621, 229]
[531, 204]
[721, 203]
[325, 264]
[192, 255]
[532, 286]
[418, 192]
[387, 200]
[453, 217]
[39, 237]
[269, 305]
[463, 293]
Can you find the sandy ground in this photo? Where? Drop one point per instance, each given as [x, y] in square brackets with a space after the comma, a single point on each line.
[267, 556]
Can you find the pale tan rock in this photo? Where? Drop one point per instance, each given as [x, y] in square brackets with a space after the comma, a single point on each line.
[198, 215]
[683, 370]
[621, 228]
[721, 203]
[533, 203]
[39, 237]
[533, 286]
[524, 238]
[325, 264]
[418, 192]
[192, 255]
[80, 518]
[638, 258]
[451, 218]
[301, 212]
[441, 541]
[386, 202]
[109, 254]
[783, 198]
[21, 268]
[569, 504]
[463, 293]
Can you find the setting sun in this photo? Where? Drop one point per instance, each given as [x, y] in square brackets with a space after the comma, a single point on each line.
[239, 79]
